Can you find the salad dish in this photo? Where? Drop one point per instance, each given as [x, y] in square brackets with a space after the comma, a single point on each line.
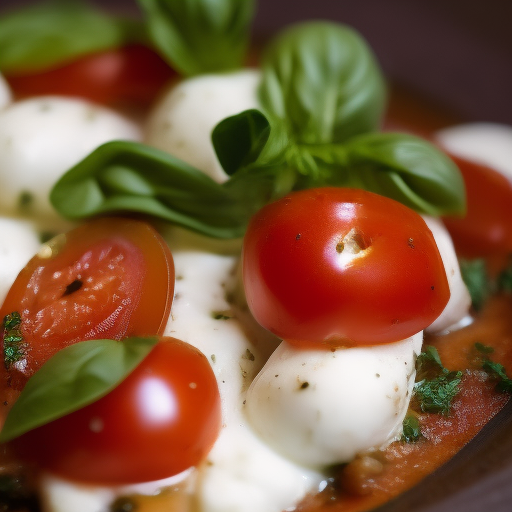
[237, 281]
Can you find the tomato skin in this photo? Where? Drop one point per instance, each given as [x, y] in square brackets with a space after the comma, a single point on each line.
[109, 278]
[486, 229]
[161, 420]
[133, 73]
[299, 287]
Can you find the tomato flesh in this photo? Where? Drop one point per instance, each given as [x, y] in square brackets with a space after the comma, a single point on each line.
[342, 267]
[133, 73]
[486, 229]
[161, 420]
[110, 278]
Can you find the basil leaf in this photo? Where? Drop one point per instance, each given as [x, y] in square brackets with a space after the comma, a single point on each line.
[200, 36]
[400, 166]
[73, 378]
[240, 139]
[124, 176]
[323, 80]
[43, 35]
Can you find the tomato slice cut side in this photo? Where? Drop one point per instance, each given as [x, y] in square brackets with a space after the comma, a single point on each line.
[109, 278]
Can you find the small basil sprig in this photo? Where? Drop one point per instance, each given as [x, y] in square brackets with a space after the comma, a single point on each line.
[200, 36]
[73, 378]
[400, 166]
[323, 81]
[40, 36]
[122, 176]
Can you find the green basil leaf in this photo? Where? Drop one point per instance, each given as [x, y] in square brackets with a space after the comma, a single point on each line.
[73, 378]
[38, 37]
[200, 36]
[400, 166]
[240, 139]
[122, 176]
[323, 80]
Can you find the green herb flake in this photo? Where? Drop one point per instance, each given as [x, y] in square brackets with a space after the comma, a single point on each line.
[436, 386]
[504, 281]
[411, 429]
[475, 276]
[13, 339]
[484, 349]
[497, 371]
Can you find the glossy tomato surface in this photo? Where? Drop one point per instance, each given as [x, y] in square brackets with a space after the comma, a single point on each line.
[109, 278]
[132, 73]
[162, 419]
[342, 267]
[486, 229]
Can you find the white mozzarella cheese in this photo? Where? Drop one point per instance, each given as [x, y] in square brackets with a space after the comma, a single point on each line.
[486, 143]
[182, 122]
[19, 241]
[242, 473]
[5, 93]
[456, 312]
[41, 138]
[319, 407]
[60, 495]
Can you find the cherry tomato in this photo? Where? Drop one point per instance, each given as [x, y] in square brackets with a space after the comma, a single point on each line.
[342, 267]
[162, 419]
[133, 73]
[486, 229]
[109, 278]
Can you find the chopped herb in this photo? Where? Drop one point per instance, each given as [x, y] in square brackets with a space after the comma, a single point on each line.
[485, 349]
[411, 429]
[504, 282]
[25, 199]
[248, 355]
[475, 276]
[497, 371]
[437, 386]
[13, 339]
[221, 315]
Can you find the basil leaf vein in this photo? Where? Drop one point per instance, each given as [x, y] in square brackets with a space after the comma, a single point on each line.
[122, 176]
[200, 36]
[73, 378]
[323, 80]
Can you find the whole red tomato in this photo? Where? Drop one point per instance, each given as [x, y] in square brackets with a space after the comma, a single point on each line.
[162, 419]
[109, 278]
[133, 73]
[486, 229]
[342, 267]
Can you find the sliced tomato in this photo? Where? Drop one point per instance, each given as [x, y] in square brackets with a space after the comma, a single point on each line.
[109, 278]
[134, 73]
[342, 267]
[486, 229]
[161, 420]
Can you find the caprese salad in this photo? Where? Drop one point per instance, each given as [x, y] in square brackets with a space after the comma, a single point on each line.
[227, 288]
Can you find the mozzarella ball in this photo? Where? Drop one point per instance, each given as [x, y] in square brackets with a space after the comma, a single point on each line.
[183, 121]
[486, 143]
[41, 138]
[319, 407]
[456, 312]
[5, 93]
[19, 241]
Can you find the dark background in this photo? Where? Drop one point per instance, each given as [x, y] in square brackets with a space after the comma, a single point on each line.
[457, 52]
